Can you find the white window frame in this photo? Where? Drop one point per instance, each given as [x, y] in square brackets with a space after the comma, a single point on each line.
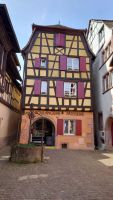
[69, 92]
[71, 64]
[69, 132]
[43, 64]
[44, 88]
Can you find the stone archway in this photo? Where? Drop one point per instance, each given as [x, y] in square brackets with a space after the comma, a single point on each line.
[109, 132]
[44, 126]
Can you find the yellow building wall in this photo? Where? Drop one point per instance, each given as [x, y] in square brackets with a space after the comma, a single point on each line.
[74, 47]
[9, 122]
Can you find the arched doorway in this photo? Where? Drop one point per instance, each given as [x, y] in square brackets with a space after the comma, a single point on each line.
[46, 127]
[109, 132]
[112, 134]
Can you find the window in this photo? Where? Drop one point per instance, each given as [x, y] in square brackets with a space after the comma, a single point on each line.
[111, 78]
[44, 87]
[107, 52]
[108, 81]
[43, 62]
[70, 89]
[73, 64]
[6, 86]
[69, 127]
[100, 121]
[1, 57]
[59, 40]
[101, 34]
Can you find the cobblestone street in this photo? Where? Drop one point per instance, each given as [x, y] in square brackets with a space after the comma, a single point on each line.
[65, 175]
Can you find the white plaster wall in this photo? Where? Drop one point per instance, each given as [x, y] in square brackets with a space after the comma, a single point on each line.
[102, 102]
[8, 123]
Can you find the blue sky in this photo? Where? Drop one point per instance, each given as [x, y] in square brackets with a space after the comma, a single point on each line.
[73, 13]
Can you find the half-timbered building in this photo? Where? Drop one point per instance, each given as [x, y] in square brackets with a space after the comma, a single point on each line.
[57, 88]
[10, 88]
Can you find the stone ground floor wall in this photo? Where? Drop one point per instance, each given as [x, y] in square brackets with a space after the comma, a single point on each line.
[84, 141]
[9, 121]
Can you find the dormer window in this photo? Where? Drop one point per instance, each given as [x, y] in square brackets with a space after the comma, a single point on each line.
[59, 40]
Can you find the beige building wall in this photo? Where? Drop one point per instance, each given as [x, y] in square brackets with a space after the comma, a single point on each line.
[9, 121]
[85, 141]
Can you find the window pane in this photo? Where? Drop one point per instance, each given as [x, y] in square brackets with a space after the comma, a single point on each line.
[67, 88]
[44, 87]
[112, 79]
[101, 34]
[69, 127]
[70, 89]
[75, 64]
[73, 89]
[66, 126]
[69, 63]
[43, 62]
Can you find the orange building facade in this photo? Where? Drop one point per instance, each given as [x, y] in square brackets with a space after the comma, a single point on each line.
[57, 96]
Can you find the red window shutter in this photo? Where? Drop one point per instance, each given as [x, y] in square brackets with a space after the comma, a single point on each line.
[59, 40]
[37, 62]
[78, 127]
[63, 62]
[82, 64]
[81, 94]
[59, 126]
[37, 87]
[59, 89]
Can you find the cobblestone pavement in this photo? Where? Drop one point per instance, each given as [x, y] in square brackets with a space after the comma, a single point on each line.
[65, 175]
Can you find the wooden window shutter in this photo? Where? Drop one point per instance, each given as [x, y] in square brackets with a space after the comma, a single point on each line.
[63, 62]
[59, 40]
[82, 64]
[62, 40]
[81, 93]
[59, 89]
[60, 126]
[78, 127]
[37, 87]
[37, 62]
